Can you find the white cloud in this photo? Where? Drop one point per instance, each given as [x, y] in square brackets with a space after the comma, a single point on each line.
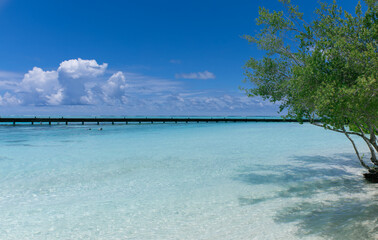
[198, 75]
[66, 85]
[9, 100]
[91, 97]
[41, 87]
[114, 88]
[55, 98]
[39, 80]
[76, 77]
[75, 82]
[78, 68]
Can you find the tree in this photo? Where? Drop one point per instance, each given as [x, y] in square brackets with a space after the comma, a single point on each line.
[324, 70]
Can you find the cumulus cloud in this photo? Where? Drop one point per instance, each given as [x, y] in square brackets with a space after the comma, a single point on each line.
[114, 88]
[40, 87]
[198, 75]
[75, 81]
[78, 68]
[75, 76]
[39, 80]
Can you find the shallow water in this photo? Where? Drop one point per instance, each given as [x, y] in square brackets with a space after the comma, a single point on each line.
[182, 181]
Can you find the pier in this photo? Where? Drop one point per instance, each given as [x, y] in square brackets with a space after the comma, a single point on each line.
[127, 120]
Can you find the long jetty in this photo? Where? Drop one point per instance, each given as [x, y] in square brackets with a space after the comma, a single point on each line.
[127, 120]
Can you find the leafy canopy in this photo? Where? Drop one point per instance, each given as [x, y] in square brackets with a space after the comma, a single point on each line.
[325, 69]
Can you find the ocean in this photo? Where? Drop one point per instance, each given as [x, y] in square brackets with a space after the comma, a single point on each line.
[183, 181]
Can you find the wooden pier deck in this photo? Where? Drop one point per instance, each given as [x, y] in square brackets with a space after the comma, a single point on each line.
[127, 120]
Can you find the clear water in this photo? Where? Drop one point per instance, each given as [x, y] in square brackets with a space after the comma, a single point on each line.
[182, 181]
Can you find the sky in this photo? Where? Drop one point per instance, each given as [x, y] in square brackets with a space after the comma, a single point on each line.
[109, 57]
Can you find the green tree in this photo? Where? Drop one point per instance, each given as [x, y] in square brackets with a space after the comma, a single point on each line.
[322, 70]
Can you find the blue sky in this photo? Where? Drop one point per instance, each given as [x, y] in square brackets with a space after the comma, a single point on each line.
[92, 57]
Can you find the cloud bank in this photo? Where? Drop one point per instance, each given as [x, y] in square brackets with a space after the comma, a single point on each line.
[85, 83]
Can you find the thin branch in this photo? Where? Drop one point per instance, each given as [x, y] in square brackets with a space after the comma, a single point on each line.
[283, 74]
[336, 130]
[372, 139]
[356, 150]
[284, 50]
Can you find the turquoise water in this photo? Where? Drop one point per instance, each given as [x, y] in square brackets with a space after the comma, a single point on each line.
[182, 181]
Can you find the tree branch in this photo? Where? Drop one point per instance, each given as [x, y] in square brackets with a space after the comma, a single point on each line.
[356, 150]
[336, 130]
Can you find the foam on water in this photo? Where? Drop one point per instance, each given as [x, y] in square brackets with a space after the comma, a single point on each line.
[182, 181]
